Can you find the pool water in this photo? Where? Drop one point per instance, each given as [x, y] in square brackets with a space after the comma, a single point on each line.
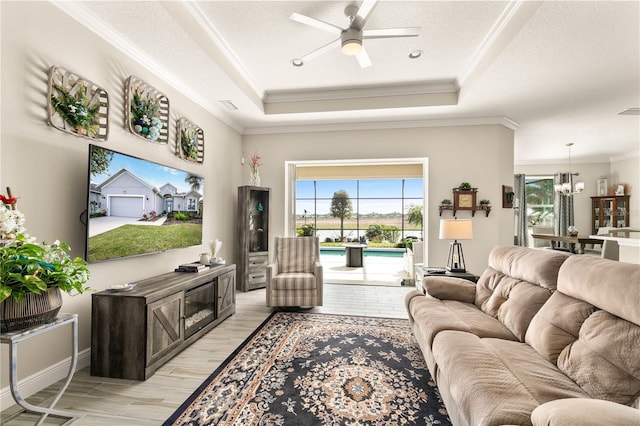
[339, 251]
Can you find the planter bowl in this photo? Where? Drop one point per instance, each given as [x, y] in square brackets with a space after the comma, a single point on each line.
[35, 310]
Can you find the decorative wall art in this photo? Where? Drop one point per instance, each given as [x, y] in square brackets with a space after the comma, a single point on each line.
[77, 106]
[146, 111]
[507, 197]
[189, 141]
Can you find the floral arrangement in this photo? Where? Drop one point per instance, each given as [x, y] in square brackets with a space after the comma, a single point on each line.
[30, 267]
[145, 118]
[75, 109]
[188, 144]
[255, 163]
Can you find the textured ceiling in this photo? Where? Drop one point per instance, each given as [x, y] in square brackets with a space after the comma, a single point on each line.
[556, 72]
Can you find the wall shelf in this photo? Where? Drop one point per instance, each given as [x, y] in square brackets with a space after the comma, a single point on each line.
[482, 207]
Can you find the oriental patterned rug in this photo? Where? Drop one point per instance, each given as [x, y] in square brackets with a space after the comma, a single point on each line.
[318, 369]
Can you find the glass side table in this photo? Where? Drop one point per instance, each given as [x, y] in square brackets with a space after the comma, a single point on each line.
[15, 337]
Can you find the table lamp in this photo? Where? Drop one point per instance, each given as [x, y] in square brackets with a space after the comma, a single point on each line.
[454, 229]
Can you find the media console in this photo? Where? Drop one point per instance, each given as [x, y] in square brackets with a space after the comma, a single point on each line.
[135, 332]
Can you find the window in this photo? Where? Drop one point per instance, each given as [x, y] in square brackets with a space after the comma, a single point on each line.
[387, 205]
[540, 194]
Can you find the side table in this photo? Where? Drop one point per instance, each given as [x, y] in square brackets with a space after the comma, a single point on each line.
[354, 255]
[15, 337]
[421, 272]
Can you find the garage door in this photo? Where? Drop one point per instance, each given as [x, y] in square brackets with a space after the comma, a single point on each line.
[126, 206]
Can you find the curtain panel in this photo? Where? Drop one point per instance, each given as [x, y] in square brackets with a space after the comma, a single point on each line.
[521, 234]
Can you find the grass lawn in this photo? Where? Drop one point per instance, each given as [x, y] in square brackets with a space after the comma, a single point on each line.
[129, 240]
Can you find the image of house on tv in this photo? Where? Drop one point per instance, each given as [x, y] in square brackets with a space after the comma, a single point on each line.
[126, 195]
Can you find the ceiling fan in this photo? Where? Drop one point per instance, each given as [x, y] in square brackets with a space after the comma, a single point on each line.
[351, 37]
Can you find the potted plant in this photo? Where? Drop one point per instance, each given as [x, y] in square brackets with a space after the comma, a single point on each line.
[485, 203]
[32, 275]
[446, 202]
[464, 185]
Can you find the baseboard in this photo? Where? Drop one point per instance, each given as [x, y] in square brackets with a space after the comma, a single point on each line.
[44, 378]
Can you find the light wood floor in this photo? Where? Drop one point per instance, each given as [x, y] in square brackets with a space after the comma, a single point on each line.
[110, 402]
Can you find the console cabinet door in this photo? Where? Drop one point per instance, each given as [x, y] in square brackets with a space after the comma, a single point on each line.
[226, 294]
[164, 328]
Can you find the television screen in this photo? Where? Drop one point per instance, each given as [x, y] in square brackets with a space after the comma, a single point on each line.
[137, 207]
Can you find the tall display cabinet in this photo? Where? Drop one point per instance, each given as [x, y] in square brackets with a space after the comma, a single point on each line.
[611, 210]
[253, 237]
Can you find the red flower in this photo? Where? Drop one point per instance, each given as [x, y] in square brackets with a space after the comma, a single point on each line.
[8, 200]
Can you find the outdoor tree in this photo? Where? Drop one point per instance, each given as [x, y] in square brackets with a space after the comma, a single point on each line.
[341, 208]
[194, 182]
[414, 215]
[100, 160]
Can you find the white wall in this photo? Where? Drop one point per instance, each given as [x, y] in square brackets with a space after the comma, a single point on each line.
[47, 169]
[481, 155]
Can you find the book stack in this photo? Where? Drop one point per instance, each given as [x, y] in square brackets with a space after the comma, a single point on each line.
[190, 267]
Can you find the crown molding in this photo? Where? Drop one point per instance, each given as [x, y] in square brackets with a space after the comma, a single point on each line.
[444, 86]
[97, 25]
[627, 156]
[381, 125]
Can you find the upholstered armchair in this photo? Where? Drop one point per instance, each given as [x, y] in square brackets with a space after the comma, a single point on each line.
[294, 277]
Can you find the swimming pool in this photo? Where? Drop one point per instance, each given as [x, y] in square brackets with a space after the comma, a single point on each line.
[374, 252]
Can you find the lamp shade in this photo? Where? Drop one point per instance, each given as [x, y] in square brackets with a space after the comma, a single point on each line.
[454, 229]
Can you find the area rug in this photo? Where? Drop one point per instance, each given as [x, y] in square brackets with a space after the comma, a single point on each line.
[319, 369]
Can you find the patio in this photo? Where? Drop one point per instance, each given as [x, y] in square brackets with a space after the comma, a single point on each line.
[377, 270]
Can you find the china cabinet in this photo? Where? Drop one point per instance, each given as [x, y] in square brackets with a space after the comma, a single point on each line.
[609, 211]
[253, 237]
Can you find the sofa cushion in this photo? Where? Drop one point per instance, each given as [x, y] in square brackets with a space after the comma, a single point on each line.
[556, 325]
[294, 281]
[516, 284]
[496, 381]
[589, 327]
[435, 315]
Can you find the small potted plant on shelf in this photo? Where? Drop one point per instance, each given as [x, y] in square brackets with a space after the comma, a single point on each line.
[32, 275]
[445, 202]
[485, 203]
[464, 185]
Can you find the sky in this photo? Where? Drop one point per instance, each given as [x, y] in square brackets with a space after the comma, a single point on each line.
[153, 173]
[374, 194]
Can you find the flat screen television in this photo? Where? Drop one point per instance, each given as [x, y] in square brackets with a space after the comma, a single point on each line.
[137, 207]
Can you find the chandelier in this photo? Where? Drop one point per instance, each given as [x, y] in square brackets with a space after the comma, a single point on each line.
[568, 188]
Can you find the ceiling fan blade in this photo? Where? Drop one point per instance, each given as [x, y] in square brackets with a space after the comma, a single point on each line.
[316, 23]
[363, 58]
[321, 50]
[365, 9]
[392, 32]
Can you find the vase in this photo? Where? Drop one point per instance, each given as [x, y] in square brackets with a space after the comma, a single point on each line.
[255, 177]
[35, 310]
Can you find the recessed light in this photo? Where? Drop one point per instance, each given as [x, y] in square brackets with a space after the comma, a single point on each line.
[415, 54]
[630, 111]
[297, 62]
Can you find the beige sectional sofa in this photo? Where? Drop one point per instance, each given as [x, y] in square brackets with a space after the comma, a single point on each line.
[544, 338]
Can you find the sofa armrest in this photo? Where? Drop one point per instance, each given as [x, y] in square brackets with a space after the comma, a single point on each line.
[584, 412]
[450, 288]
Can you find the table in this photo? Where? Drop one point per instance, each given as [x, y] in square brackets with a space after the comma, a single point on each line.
[422, 272]
[354, 254]
[580, 240]
[13, 338]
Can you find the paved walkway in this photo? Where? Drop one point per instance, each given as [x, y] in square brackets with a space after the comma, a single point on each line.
[98, 225]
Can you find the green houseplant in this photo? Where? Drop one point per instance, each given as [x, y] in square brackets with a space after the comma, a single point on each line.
[32, 274]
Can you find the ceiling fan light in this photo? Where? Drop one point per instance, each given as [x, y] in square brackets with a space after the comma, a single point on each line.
[351, 47]
[297, 62]
[351, 41]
